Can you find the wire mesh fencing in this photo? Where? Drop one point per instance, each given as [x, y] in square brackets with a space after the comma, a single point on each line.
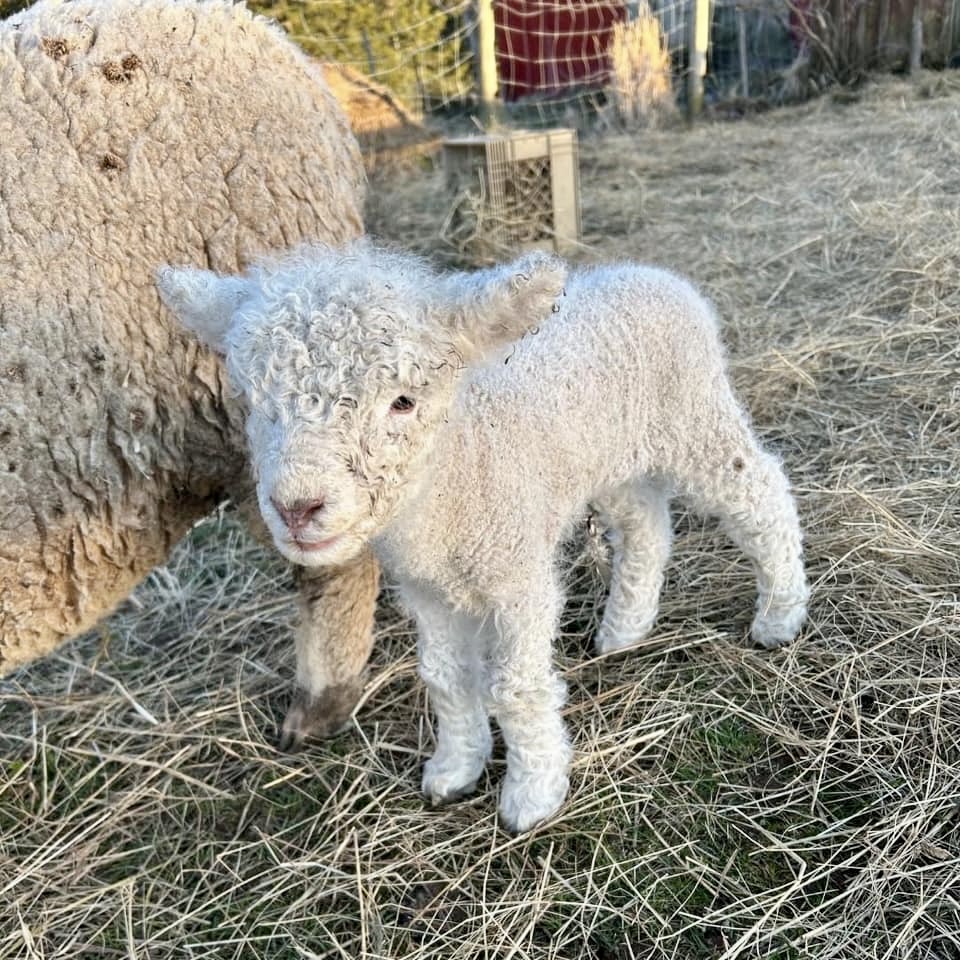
[624, 60]
[423, 51]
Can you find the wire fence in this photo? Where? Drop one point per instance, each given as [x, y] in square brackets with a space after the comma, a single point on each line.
[629, 59]
[424, 51]
[548, 52]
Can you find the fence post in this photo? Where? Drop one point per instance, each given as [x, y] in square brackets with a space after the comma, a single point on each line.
[916, 38]
[742, 50]
[698, 40]
[487, 61]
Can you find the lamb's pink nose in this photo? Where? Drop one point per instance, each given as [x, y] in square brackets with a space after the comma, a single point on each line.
[297, 515]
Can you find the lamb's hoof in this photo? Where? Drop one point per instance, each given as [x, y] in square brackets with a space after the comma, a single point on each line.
[444, 783]
[322, 715]
[775, 630]
[528, 801]
[608, 641]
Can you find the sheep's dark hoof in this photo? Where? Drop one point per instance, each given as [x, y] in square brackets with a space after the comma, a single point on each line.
[322, 715]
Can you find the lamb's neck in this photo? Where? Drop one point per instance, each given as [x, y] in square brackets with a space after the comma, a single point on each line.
[433, 469]
[429, 501]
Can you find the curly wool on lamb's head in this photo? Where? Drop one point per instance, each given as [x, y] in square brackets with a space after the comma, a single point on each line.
[323, 327]
[350, 361]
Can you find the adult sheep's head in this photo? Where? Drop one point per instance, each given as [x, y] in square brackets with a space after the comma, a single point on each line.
[350, 362]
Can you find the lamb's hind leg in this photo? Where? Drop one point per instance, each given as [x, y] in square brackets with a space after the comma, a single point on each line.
[747, 489]
[638, 517]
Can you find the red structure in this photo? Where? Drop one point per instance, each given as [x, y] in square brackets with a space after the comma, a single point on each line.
[548, 46]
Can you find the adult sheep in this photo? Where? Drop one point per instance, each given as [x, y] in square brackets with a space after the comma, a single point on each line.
[135, 133]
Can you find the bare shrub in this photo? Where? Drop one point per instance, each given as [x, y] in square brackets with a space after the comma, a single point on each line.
[640, 86]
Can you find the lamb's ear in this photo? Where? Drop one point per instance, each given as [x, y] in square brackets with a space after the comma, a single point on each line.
[202, 301]
[497, 306]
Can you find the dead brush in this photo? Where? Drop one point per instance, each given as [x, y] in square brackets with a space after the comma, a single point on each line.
[640, 86]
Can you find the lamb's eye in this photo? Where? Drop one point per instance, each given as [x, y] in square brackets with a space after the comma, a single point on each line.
[402, 405]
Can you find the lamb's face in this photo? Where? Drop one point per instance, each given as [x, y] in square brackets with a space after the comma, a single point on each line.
[346, 390]
[350, 362]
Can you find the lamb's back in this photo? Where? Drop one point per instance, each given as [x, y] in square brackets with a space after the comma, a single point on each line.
[578, 405]
[624, 341]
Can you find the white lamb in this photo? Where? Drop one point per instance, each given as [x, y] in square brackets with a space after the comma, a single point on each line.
[389, 405]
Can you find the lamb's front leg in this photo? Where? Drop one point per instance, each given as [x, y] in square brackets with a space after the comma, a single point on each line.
[333, 642]
[526, 697]
[450, 647]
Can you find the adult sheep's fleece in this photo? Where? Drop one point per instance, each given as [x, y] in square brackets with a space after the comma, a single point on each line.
[132, 134]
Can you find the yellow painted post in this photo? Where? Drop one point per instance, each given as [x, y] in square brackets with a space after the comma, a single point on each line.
[487, 57]
[699, 39]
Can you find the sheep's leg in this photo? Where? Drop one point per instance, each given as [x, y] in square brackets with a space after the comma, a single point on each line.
[333, 642]
[526, 696]
[450, 647]
[638, 517]
[747, 489]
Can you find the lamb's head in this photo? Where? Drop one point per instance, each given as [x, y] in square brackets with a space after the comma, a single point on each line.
[350, 362]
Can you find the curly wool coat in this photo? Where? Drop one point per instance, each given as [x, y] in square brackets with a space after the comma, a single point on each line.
[388, 407]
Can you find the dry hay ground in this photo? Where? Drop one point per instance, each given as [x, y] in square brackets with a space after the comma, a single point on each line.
[726, 802]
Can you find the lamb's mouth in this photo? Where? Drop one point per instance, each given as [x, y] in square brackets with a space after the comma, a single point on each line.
[312, 546]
